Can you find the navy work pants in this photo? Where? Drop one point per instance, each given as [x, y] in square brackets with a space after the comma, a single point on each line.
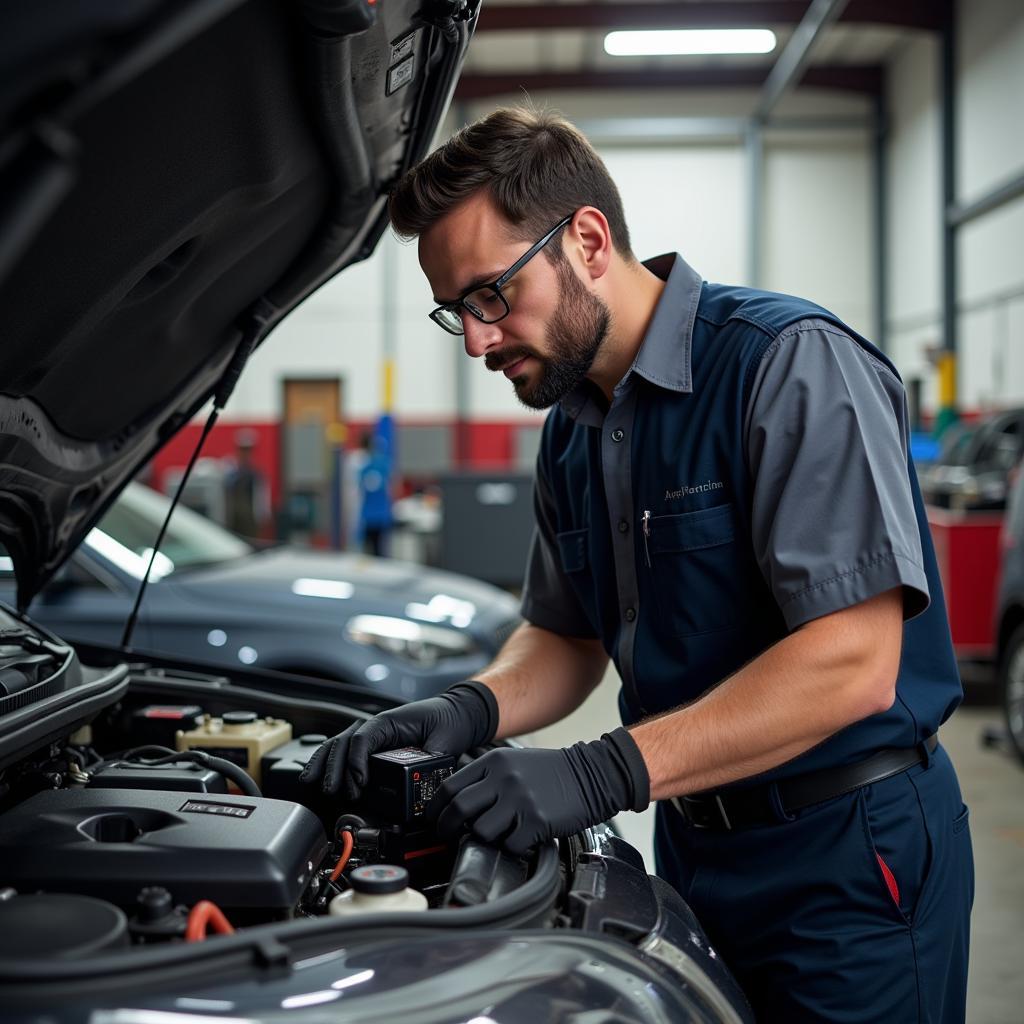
[857, 909]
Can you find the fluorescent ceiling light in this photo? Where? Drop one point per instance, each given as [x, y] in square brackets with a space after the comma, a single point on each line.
[697, 40]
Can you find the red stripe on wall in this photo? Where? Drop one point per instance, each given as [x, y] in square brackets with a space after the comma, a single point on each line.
[487, 444]
[223, 444]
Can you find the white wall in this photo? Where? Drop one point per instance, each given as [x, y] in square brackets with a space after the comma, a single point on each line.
[913, 235]
[990, 150]
[819, 226]
[685, 197]
[340, 331]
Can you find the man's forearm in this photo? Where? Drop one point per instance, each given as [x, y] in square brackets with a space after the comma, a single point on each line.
[540, 677]
[820, 679]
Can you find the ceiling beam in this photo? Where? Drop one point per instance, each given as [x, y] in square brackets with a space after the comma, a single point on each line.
[929, 15]
[628, 130]
[797, 53]
[961, 213]
[844, 77]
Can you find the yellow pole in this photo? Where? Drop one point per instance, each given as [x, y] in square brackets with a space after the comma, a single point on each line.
[947, 380]
[389, 384]
[947, 413]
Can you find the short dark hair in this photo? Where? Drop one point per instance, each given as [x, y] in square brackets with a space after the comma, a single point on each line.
[537, 166]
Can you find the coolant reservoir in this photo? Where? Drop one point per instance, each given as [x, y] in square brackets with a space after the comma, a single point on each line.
[376, 889]
[238, 736]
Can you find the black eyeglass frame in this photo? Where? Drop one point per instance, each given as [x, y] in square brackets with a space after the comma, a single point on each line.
[494, 286]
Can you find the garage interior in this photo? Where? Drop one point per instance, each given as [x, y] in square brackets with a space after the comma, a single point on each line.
[872, 160]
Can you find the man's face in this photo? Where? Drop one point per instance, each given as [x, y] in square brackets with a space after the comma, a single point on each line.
[548, 342]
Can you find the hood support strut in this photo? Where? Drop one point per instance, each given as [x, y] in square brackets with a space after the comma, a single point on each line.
[220, 398]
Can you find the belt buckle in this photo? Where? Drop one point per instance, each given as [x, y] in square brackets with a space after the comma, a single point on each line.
[697, 812]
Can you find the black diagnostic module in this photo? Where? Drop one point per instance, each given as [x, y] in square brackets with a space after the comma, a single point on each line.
[401, 782]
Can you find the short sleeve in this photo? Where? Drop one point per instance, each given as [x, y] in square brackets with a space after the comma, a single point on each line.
[833, 518]
[549, 600]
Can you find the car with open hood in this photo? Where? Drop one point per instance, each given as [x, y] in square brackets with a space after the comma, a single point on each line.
[178, 175]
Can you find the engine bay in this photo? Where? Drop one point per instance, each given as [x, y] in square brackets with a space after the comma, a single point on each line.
[154, 828]
[176, 810]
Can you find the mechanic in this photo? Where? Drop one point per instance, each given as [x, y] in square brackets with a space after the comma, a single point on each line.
[725, 508]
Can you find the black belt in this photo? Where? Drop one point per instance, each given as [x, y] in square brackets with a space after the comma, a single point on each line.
[729, 809]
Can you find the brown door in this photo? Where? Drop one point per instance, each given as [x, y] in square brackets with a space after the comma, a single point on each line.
[312, 407]
[312, 401]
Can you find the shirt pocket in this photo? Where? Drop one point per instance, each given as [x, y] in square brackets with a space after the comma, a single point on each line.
[572, 550]
[577, 570]
[696, 570]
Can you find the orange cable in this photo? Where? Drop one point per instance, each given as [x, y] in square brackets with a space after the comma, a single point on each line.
[202, 914]
[346, 852]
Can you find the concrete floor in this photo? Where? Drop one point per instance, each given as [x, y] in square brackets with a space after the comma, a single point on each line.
[992, 781]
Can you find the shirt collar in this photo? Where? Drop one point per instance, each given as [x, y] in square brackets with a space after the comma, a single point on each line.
[664, 355]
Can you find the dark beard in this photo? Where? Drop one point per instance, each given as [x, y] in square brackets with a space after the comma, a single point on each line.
[574, 338]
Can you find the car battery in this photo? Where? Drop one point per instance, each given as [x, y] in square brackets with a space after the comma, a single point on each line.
[181, 776]
[238, 736]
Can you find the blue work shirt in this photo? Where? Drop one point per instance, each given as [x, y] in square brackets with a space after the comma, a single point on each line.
[750, 474]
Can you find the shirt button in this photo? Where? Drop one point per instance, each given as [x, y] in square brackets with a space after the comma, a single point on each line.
[623, 526]
[617, 435]
[630, 614]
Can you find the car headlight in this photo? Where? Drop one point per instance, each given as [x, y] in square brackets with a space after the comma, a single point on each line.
[420, 644]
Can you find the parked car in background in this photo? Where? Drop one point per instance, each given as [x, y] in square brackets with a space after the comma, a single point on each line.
[972, 469]
[1010, 613]
[400, 628]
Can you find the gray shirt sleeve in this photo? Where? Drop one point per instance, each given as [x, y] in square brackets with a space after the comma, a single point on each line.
[549, 600]
[833, 515]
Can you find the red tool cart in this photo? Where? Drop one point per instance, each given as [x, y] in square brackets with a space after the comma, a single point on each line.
[967, 549]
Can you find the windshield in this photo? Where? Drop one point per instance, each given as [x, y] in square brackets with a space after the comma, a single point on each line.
[127, 532]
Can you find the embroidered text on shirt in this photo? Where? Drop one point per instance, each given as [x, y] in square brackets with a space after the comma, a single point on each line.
[682, 492]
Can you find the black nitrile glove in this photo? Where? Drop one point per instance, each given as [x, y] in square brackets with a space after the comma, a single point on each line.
[463, 717]
[518, 798]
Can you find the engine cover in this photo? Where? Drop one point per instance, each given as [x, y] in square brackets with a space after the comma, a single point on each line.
[238, 851]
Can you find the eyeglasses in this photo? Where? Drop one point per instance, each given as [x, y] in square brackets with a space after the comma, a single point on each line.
[486, 301]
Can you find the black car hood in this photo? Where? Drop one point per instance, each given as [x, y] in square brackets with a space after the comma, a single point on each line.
[175, 176]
